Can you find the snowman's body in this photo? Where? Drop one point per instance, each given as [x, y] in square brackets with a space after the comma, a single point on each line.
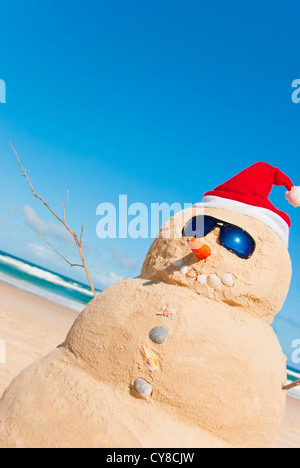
[220, 371]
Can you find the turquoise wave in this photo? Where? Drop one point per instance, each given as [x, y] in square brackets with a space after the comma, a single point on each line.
[44, 283]
[293, 375]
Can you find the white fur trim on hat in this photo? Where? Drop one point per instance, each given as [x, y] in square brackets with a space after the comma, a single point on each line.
[271, 219]
[293, 196]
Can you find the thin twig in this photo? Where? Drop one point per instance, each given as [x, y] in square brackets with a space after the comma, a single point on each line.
[64, 206]
[37, 196]
[292, 385]
[80, 243]
[63, 221]
[71, 264]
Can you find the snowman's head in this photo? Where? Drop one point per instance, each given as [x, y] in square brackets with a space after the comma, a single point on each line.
[224, 256]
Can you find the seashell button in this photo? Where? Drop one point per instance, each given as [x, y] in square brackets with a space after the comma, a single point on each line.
[151, 359]
[168, 312]
[143, 388]
[227, 279]
[158, 334]
[213, 281]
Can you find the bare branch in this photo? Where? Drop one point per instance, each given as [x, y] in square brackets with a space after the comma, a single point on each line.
[80, 243]
[64, 207]
[61, 220]
[292, 385]
[71, 264]
[37, 196]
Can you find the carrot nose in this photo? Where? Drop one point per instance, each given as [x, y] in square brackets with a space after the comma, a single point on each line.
[201, 250]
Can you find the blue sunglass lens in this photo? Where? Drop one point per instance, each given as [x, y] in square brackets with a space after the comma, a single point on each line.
[232, 237]
[237, 241]
[199, 226]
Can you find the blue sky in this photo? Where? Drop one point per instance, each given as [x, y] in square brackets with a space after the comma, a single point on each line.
[161, 101]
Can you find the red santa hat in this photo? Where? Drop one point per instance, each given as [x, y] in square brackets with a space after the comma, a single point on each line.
[248, 193]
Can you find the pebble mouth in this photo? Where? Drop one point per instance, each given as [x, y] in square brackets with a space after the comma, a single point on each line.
[213, 280]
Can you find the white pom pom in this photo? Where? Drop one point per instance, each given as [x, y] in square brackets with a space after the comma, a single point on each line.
[293, 196]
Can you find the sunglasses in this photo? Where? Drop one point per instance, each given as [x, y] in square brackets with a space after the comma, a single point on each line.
[233, 238]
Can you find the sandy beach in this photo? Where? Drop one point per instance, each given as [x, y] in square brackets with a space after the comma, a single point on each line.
[31, 327]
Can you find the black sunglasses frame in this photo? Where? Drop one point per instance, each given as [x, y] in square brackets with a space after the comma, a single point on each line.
[221, 224]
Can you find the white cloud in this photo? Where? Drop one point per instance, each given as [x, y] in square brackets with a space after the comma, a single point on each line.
[47, 228]
[123, 260]
[39, 251]
[105, 278]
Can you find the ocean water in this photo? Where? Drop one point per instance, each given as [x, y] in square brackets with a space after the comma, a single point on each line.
[44, 283]
[74, 295]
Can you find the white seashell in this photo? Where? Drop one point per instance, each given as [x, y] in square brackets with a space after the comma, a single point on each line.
[143, 388]
[178, 262]
[184, 269]
[201, 279]
[213, 281]
[158, 334]
[227, 279]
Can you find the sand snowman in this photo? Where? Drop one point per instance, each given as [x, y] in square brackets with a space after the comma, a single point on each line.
[182, 356]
